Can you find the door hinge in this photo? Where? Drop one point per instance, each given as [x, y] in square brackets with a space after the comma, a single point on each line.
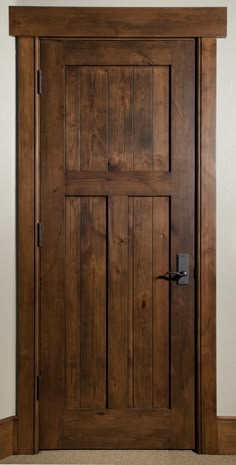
[38, 387]
[39, 235]
[39, 81]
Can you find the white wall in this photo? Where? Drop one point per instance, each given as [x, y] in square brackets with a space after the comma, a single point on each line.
[7, 217]
[226, 201]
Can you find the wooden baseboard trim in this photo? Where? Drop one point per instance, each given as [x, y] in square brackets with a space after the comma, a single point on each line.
[226, 435]
[8, 436]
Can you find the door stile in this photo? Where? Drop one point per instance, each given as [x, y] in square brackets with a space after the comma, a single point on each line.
[37, 247]
[182, 237]
[52, 323]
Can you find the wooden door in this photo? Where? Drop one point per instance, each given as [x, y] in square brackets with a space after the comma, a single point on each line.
[117, 206]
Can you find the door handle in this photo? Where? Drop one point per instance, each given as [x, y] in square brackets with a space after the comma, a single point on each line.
[181, 276]
[172, 275]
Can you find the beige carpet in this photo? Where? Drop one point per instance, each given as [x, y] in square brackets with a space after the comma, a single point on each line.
[115, 457]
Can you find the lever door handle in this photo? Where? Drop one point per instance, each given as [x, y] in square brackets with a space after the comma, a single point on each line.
[172, 275]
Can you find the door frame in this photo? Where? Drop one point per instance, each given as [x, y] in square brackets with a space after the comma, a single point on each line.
[29, 25]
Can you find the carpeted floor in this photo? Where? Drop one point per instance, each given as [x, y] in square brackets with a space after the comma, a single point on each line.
[116, 457]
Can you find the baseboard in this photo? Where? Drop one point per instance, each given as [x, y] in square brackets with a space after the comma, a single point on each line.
[226, 435]
[7, 436]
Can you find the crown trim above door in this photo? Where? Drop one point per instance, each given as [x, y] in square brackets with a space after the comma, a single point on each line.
[117, 22]
[205, 24]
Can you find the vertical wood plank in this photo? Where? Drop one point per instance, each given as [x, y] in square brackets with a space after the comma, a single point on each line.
[120, 118]
[72, 119]
[25, 255]
[118, 302]
[143, 119]
[72, 276]
[131, 304]
[93, 109]
[161, 333]
[161, 115]
[142, 302]
[207, 245]
[93, 302]
[52, 343]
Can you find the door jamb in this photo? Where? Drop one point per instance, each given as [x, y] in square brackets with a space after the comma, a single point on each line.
[28, 215]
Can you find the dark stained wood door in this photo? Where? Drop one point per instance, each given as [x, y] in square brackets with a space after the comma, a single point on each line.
[117, 206]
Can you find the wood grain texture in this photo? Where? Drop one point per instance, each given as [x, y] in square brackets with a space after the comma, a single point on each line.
[52, 323]
[192, 22]
[37, 249]
[98, 241]
[93, 125]
[72, 118]
[117, 118]
[120, 183]
[182, 324]
[73, 292]
[161, 304]
[7, 437]
[226, 435]
[118, 302]
[116, 429]
[25, 253]
[198, 251]
[143, 302]
[118, 52]
[207, 246]
[143, 119]
[130, 317]
[93, 302]
[161, 118]
[117, 22]
[120, 134]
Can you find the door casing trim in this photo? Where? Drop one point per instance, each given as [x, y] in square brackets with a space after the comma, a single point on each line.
[28, 209]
